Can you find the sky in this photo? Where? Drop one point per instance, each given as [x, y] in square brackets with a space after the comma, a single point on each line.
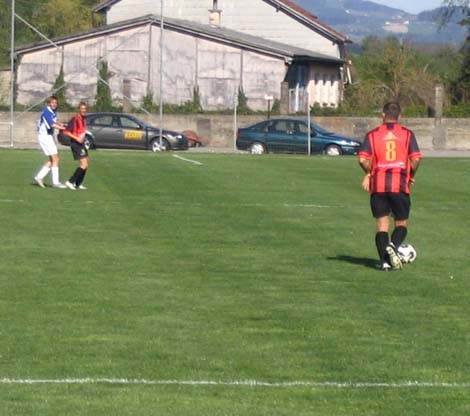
[411, 6]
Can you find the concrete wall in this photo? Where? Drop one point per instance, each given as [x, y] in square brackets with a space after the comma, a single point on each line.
[449, 134]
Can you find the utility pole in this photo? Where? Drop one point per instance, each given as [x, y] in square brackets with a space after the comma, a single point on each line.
[12, 73]
[160, 105]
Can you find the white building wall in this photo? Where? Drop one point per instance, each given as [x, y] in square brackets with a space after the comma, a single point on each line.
[127, 54]
[193, 10]
[37, 74]
[218, 74]
[324, 86]
[179, 66]
[255, 17]
[262, 76]
[80, 69]
[133, 55]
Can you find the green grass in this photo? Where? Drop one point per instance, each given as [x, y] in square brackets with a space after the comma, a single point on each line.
[243, 268]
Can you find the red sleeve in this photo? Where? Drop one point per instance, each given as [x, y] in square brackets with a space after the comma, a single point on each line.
[78, 126]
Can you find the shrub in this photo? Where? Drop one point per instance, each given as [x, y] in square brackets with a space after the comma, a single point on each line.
[103, 92]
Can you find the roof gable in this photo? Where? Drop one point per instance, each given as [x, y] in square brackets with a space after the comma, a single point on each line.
[219, 34]
[104, 5]
[288, 5]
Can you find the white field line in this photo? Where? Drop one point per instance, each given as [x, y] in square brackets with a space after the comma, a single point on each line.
[192, 204]
[188, 160]
[242, 383]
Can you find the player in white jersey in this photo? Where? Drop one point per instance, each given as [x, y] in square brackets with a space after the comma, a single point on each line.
[45, 130]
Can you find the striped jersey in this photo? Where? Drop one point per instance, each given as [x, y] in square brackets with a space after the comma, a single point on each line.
[46, 121]
[77, 125]
[390, 147]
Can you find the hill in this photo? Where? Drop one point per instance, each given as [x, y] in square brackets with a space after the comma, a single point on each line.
[361, 18]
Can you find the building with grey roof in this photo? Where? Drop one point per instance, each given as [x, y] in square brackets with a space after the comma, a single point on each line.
[265, 48]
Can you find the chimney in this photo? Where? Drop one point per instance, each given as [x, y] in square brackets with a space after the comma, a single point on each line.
[215, 14]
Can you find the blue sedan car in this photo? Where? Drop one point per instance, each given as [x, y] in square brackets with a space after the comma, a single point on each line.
[288, 135]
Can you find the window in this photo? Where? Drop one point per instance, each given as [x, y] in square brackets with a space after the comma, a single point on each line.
[102, 121]
[127, 123]
[302, 128]
[284, 127]
[261, 127]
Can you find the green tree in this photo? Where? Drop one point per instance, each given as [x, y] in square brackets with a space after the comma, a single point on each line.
[53, 18]
[390, 69]
[62, 17]
[23, 34]
[148, 104]
[460, 86]
[103, 92]
[453, 8]
[243, 107]
[59, 90]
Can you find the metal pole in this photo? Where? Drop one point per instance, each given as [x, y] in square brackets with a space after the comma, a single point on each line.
[12, 73]
[235, 105]
[161, 75]
[309, 130]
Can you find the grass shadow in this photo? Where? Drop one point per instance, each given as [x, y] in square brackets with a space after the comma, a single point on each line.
[364, 261]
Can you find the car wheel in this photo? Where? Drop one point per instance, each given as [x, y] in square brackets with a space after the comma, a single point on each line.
[90, 143]
[333, 150]
[155, 145]
[257, 148]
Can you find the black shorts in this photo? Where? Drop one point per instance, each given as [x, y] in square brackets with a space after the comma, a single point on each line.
[79, 150]
[386, 203]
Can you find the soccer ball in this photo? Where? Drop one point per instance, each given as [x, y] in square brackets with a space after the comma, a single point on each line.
[407, 253]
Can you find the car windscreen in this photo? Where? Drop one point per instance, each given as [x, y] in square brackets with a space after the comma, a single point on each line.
[318, 129]
[260, 126]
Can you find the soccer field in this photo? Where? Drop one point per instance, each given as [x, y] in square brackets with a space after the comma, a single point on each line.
[237, 285]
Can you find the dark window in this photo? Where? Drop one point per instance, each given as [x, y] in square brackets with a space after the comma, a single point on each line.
[105, 120]
[302, 128]
[128, 123]
[284, 126]
[261, 127]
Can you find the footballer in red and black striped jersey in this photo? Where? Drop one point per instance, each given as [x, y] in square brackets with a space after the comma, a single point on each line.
[390, 157]
[78, 147]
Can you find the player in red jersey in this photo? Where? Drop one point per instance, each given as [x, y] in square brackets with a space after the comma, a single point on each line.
[77, 145]
[390, 157]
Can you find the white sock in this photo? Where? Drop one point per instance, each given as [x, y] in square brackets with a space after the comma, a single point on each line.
[55, 175]
[43, 172]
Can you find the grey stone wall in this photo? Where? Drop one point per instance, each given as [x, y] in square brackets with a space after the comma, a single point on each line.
[4, 87]
[446, 134]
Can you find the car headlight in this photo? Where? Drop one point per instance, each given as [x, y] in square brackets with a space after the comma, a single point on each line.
[349, 143]
[174, 136]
